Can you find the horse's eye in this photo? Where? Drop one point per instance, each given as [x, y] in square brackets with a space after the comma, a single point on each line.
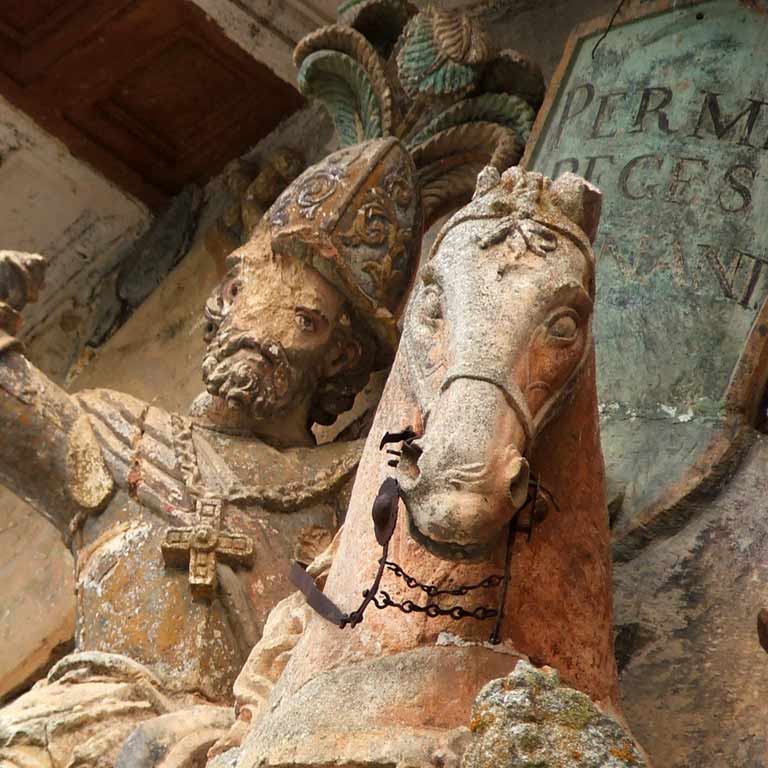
[563, 328]
[431, 309]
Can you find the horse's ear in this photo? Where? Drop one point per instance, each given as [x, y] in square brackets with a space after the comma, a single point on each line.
[487, 179]
[580, 201]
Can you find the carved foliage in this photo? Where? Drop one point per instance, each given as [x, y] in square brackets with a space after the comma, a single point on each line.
[338, 66]
[252, 190]
[457, 104]
[440, 53]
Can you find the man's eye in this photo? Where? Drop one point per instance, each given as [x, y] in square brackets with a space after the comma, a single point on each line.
[305, 322]
[233, 289]
[210, 331]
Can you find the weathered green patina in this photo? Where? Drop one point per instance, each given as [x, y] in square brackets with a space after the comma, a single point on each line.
[670, 119]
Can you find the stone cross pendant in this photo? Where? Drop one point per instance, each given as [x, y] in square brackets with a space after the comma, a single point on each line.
[203, 545]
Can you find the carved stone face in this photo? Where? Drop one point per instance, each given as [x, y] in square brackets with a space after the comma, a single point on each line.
[275, 331]
[498, 327]
[310, 305]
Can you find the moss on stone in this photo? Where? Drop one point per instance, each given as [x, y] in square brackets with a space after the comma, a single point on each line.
[481, 721]
[578, 713]
[529, 741]
[530, 720]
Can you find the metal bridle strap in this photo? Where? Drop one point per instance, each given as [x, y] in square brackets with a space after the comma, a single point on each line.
[384, 513]
[315, 598]
[320, 603]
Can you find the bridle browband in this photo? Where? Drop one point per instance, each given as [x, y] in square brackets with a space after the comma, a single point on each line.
[385, 514]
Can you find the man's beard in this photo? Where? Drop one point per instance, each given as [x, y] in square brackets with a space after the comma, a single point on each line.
[254, 376]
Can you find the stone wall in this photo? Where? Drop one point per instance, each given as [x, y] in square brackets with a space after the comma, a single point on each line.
[54, 204]
[693, 674]
[540, 29]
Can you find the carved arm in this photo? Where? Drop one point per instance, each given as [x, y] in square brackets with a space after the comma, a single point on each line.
[48, 454]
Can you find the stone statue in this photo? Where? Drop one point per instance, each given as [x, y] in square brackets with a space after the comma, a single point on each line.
[180, 524]
[503, 549]
[432, 78]
[183, 527]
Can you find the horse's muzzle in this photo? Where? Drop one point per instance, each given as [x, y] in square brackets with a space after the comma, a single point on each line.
[465, 478]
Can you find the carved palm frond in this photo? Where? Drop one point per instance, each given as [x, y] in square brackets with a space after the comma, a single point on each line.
[460, 38]
[511, 72]
[504, 109]
[457, 105]
[339, 67]
[448, 163]
[380, 21]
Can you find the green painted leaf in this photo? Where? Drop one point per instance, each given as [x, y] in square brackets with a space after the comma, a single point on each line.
[344, 89]
[503, 108]
[422, 67]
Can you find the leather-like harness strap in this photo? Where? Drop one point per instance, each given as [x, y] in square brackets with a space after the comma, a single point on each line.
[316, 599]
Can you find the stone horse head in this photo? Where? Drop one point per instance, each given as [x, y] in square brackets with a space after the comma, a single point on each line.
[497, 333]
[495, 371]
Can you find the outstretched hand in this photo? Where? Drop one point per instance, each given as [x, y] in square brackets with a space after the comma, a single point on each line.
[21, 277]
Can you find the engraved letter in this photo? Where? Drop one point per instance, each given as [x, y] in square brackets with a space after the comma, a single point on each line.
[712, 255]
[712, 106]
[569, 163]
[603, 111]
[726, 197]
[625, 177]
[727, 277]
[590, 169]
[646, 109]
[679, 183]
[589, 94]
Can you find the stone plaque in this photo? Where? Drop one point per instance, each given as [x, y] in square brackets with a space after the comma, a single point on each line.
[669, 117]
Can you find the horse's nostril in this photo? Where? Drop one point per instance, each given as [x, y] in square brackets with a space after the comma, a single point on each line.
[408, 465]
[413, 449]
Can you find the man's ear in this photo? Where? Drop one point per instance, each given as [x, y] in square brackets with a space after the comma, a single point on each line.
[345, 354]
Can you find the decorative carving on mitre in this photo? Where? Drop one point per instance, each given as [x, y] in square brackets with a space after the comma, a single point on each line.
[356, 218]
[429, 77]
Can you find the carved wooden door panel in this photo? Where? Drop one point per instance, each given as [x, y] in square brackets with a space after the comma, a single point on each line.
[150, 92]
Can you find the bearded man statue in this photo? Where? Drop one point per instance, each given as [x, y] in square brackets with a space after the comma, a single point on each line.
[183, 527]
